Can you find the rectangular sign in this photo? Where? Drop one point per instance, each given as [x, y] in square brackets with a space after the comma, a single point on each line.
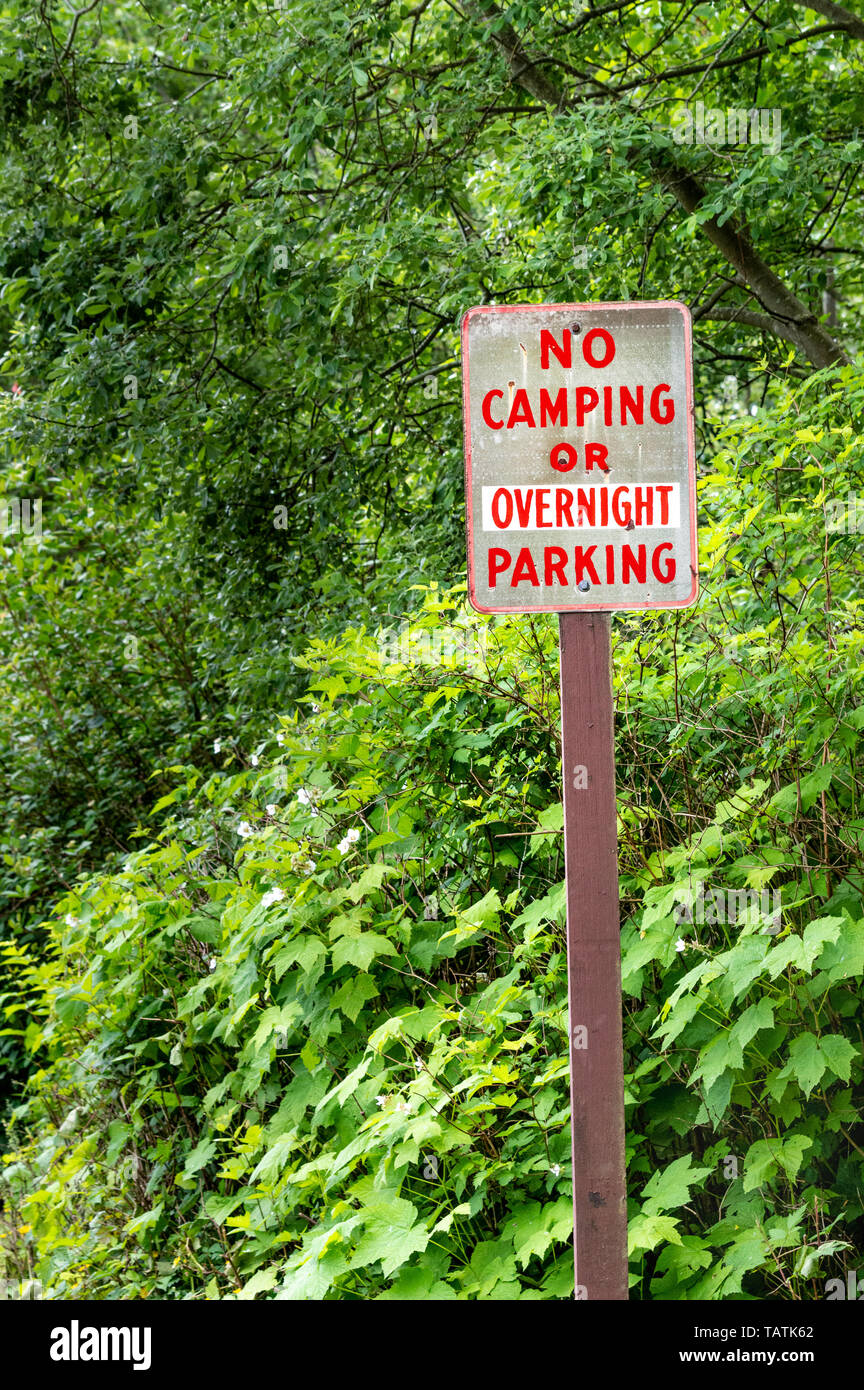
[580, 470]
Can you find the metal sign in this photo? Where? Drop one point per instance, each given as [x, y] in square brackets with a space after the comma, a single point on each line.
[581, 498]
[579, 457]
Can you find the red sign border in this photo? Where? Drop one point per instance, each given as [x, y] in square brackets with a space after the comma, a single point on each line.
[691, 449]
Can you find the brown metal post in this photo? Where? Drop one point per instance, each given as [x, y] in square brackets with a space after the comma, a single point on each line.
[593, 957]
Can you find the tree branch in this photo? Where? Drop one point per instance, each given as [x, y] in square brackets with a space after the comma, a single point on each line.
[801, 326]
[764, 322]
[523, 69]
[844, 19]
[784, 308]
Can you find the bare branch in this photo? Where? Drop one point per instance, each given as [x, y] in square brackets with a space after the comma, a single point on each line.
[844, 19]
[78, 16]
[764, 322]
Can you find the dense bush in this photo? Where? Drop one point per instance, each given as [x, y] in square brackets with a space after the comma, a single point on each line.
[311, 1043]
[236, 244]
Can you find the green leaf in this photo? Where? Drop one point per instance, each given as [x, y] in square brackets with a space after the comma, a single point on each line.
[199, 1157]
[361, 950]
[806, 1062]
[646, 1232]
[760, 1163]
[839, 1054]
[792, 1153]
[353, 994]
[307, 951]
[391, 1233]
[118, 1133]
[786, 801]
[670, 1188]
[371, 879]
[759, 1015]
[843, 956]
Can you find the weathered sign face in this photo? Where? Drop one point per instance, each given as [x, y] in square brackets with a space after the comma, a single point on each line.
[579, 457]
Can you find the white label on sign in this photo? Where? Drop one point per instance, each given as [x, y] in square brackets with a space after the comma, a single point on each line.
[579, 419]
[544, 508]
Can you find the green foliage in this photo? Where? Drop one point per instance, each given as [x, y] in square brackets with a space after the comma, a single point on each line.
[311, 1043]
[237, 243]
[318, 1049]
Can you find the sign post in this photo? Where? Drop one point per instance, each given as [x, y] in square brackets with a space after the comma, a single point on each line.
[581, 499]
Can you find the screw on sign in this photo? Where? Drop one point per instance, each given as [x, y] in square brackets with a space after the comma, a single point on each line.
[580, 499]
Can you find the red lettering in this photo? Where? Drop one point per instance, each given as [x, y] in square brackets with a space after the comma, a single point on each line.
[610, 564]
[523, 505]
[596, 453]
[644, 506]
[664, 489]
[668, 406]
[582, 562]
[563, 457]
[563, 352]
[553, 414]
[520, 410]
[629, 562]
[499, 561]
[563, 503]
[542, 505]
[607, 405]
[636, 408]
[586, 502]
[586, 400]
[667, 574]
[554, 559]
[504, 521]
[621, 514]
[487, 410]
[608, 344]
[525, 570]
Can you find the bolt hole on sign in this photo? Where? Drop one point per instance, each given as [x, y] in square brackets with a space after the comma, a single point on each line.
[580, 469]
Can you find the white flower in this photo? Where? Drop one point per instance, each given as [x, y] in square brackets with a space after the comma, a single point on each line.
[217, 745]
[353, 836]
[254, 760]
[418, 1064]
[244, 830]
[556, 1169]
[71, 919]
[280, 739]
[381, 1101]
[271, 809]
[344, 845]
[273, 895]
[303, 797]
[212, 963]
[680, 945]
